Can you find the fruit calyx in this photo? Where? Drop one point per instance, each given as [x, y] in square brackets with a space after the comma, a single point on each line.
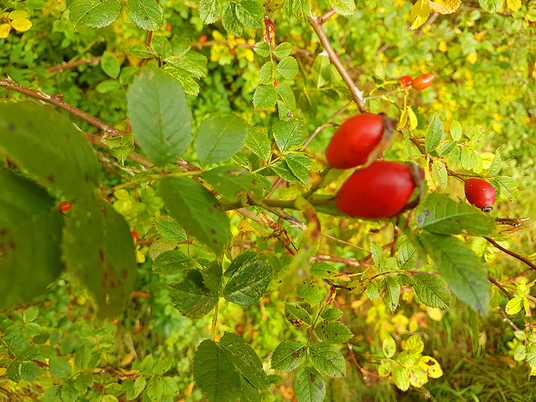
[481, 194]
[360, 140]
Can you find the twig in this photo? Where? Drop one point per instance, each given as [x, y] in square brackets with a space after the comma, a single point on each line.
[324, 18]
[522, 259]
[56, 101]
[316, 23]
[326, 124]
[496, 283]
[89, 60]
[347, 261]
[395, 91]
[134, 156]
[513, 278]
[508, 320]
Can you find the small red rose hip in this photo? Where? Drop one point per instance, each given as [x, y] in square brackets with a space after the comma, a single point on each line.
[423, 81]
[378, 191]
[357, 138]
[64, 206]
[481, 194]
[406, 81]
[168, 27]
[134, 235]
[203, 38]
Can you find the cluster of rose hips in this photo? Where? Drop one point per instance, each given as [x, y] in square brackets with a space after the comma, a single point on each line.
[419, 83]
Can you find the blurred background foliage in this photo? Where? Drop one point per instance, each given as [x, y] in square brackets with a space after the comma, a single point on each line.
[485, 78]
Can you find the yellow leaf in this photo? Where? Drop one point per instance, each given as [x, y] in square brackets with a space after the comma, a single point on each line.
[2, 371]
[4, 30]
[419, 13]
[3, 16]
[434, 313]
[413, 122]
[443, 46]
[430, 366]
[245, 226]
[13, 15]
[496, 127]
[514, 5]
[403, 119]
[21, 24]
[447, 7]
[471, 58]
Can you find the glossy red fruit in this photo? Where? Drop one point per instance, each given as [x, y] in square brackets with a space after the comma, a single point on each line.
[134, 235]
[378, 191]
[168, 27]
[203, 38]
[480, 193]
[64, 206]
[423, 81]
[406, 81]
[355, 139]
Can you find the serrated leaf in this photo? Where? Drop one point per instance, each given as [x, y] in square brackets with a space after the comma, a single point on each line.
[121, 146]
[265, 97]
[245, 359]
[509, 184]
[185, 79]
[171, 263]
[283, 50]
[400, 377]
[97, 246]
[190, 64]
[419, 13]
[331, 314]
[266, 73]
[439, 174]
[495, 166]
[491, 6]
[431, 290]
[258, 143]
[310, 293]
[288, 356]
[140, 50]
[159, 116]
[343, 7]
[300, 166]
[289, 134]
[59, 367]
[30, 228]
[456, 130]
[447, 147]
[434, 134]
[406, 254]
[297, 315]
[94, 13]
[147, 14]
[220, 137]
[309, 385]
[287, 67]
[197, 211]
[514, 305]
[262, 49]
[213, 276]
[392, 293]
[439, 213]
[298, 8]
[215, 374]
[241, 259]
[230, 20]
[47, 145]
[389, 346]
[460, 267]
[249, 282]
[21, 25]
[333, 332]
[191, 297]
[231, 182]
[281, 169]
[323, 270]
[250, 13]
[29, 371]
[169, 229]
[209, 10]
[327, 359]
[285, 92]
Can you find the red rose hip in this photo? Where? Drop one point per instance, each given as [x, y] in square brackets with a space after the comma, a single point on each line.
[481, 194]
[423, 81]
[357, 138]
[406, 81]
[378, 191]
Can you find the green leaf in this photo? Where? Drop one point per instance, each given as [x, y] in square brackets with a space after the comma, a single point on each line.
[456, 130]
[191, 297]
[230, 20]
[213, 276]
[439, 174]
[460, 267]
[262, 49]
[285, 92]
[110, 65]
[321, 71]
[331, 314]
[181, 72]
[281, 169]
[81, 356]
[439, 213]
[492, 6]
[309, 386]
[333, 332]
[258, 143]
[392, 292]
[266, 73]
[283, 50]
[434, 134]
[250, 13]
[215, 373]
[140, 50]
[431, 290]
[241, 259]
[94, 13]
[47, 145]
[406, 254]
[245, 359]
[13, 370]
[171, 263]
[249, 392]
[508, 183]
[231, 182]
[147, 14]
[59, 367]
[29, 371]
[343, 7]
[169, 229]
[389, 347]
[287, 67]
[98, 248]
[447, 147]
[209, 10]
[514, 305]
[290, 134]
[288, 356]
[310, 292]
[297, 315]
[323, 270]
[197, 210]
[327, 359]
[265, 97]
[401, 378]
[300, 165]
[249, 282]
[31, 313]
[154, 388]
[107, 86]
[298, 8]
[30, 228]
[121, 146]
[495, 166]
[159, 116]
[220, 137]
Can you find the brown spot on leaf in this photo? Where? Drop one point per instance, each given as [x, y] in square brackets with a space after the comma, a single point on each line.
[12, 127]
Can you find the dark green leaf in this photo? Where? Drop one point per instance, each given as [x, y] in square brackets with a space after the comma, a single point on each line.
[47, 145]
[327, 359]
[333, 332]
[249, 282]
[230, 20]
[121, 146]
[29, 371]
[94, 13]
[288, 356]
[406, 254]
[241, 259]
[172, 263]
[432, 290]
[231, 182]
[169, 229]
[282, 170]
[191, 297]
[460, 267]
[439, 213]
[147, 14]
[309, 386]
[289, 134]
[59, 367]
[98, 248]
[265, 97]
[258, 143]
[209, 10]
[300, 165]
[196, 210]
[159, 116]
[213, 276]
